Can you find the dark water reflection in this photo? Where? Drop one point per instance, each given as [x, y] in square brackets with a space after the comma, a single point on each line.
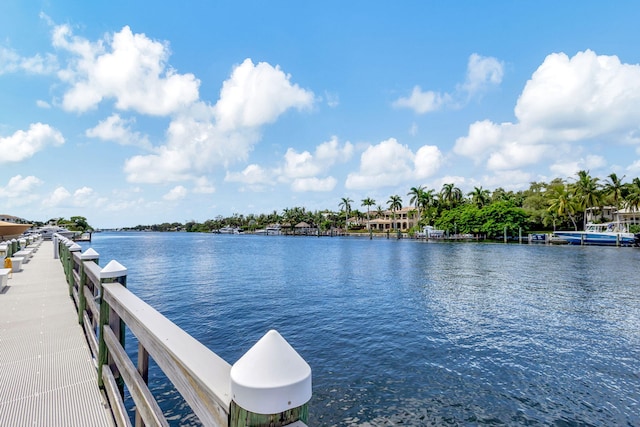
[406, 332]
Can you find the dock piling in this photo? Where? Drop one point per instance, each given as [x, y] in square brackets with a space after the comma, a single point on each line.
[270, 385]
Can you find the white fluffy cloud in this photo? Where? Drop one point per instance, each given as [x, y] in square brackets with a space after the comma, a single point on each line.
[203, 186]
[19, 186]
[168, 165]
[305, 164]
[304, 170]
[176, 193]
[82, 197]
[255, 95]
[570, 168]
[300, 170]
[482, 73]
[24, 144]
[390, 163]
[422, 102]
[129, 68]
[567, 101]
[427, 161]
[251, 175]
[115, 128]
[59, 196]
[203, 137]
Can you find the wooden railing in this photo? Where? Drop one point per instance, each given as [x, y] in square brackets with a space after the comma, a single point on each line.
[206, 382]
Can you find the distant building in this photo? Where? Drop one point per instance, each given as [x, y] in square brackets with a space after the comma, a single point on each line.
[611, 213]
[405, 218]
[12, 219]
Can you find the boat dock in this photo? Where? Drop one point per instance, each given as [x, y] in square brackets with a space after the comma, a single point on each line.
[63, 362]
[47, 374]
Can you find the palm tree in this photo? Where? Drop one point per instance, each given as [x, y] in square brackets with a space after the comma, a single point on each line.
[379, 211]
[416, 194]
[395, 203]
[368, 202]
[587, 189]
[450, 195]
[562, 202]
[614, 189]
[345, 204]
[480, 196]
[632, 198]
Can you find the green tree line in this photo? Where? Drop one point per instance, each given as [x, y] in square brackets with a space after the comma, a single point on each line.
[559, 204]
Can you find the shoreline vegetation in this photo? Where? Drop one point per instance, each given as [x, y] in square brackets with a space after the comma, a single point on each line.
[478, 215]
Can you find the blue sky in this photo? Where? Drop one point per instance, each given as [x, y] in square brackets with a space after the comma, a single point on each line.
[146, 112]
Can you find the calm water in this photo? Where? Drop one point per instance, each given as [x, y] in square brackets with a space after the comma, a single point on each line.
[407, 332]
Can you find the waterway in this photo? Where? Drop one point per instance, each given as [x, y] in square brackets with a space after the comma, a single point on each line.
[404, 332]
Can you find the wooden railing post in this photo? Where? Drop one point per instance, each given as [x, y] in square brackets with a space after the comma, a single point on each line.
[74, 247]
[112, 272]
[270, 385]
[64, 255]
[143, 370]
[88, 255]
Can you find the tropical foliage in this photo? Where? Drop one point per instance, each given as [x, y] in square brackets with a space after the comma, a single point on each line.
[559, 204]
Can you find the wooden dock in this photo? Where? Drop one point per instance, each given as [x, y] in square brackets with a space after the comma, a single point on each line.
[47, 374]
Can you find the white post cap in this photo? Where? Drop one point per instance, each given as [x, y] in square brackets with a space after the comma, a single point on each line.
[113, 269]
[75, 247]
[271, 377]
[90, 254]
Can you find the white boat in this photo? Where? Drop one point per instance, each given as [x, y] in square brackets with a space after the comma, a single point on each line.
[229, 230]
[272, 230]
[607, 233]
[428, 232]
[48, 231]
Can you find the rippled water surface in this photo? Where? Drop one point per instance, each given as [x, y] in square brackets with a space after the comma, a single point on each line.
[408, 332]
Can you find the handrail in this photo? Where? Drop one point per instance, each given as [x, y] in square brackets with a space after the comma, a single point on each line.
[201, 376]
[205, 381]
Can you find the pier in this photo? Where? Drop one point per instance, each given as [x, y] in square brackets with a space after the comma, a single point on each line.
[63, 360]
[47, 374]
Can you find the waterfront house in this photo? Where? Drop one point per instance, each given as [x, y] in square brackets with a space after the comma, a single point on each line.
[405, 219]
[611, 214]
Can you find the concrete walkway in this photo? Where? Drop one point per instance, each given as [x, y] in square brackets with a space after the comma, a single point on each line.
[47, 375]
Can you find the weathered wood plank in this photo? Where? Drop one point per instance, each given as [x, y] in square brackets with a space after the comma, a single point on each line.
[91, 335]
[92, 306]
[146, 405]
[93, 272]
[143, 370]
[115, 401]
[76, 279]
[201, 376]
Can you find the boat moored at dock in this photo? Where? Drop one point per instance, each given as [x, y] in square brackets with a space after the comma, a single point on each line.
[229, 230]
[604, 234]
[271, 230]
